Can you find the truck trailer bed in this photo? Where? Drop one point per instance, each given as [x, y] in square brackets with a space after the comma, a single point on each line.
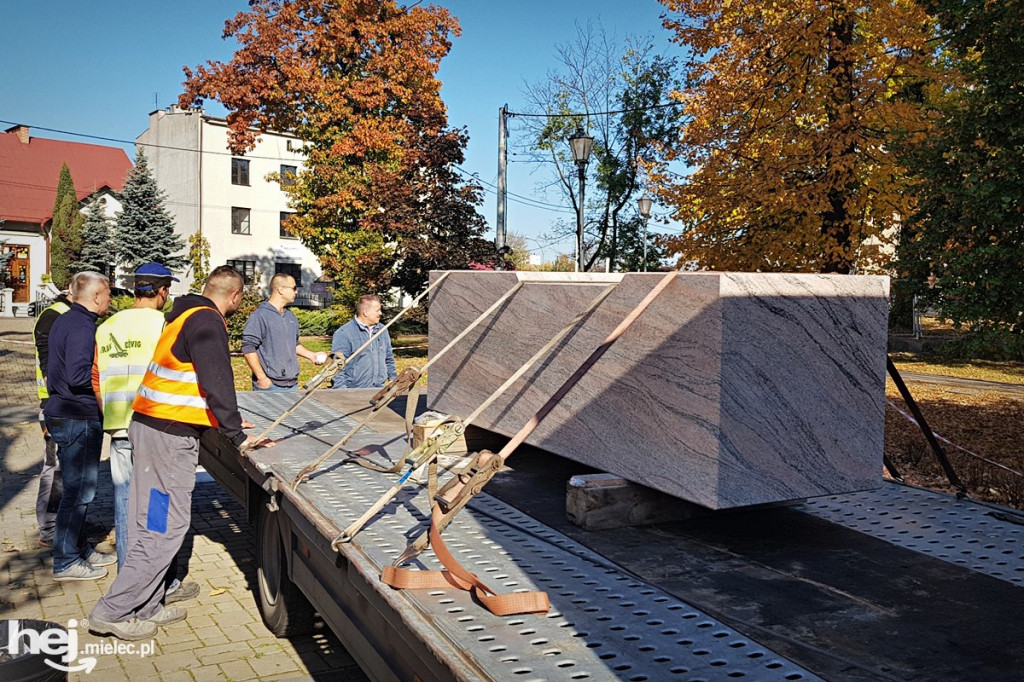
[899, 583]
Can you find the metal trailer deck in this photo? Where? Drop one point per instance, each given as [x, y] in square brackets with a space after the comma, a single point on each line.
[654, 603]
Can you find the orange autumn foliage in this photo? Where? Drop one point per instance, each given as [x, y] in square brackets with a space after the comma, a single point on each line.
[795, 112]
[356, 80]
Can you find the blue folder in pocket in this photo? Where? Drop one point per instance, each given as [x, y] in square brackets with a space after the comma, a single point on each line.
[156, 517]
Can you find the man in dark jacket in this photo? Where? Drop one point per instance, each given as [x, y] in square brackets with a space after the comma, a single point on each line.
[188, 388]
[74, 422]
[48, 496]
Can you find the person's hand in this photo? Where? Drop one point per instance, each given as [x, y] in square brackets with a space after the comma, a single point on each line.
[246, 424]
[320, 358]
[265, 382]
[252, 444]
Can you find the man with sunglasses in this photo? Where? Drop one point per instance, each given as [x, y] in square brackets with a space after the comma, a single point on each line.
[270, 340]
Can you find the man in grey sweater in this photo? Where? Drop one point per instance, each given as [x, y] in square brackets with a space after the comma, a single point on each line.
[270, 340]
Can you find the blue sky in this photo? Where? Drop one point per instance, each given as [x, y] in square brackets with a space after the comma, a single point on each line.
[100, 67]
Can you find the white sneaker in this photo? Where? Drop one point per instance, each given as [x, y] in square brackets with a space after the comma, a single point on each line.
[80, 570]
[94, 558]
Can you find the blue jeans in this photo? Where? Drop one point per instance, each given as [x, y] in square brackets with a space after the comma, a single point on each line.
[79, 442]
[121, 474]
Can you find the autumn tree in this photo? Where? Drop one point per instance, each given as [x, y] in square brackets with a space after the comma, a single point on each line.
[793, 110]
[357, 82]
[145, 228]
[97, 254]
[614, 92]
[65, 230]
[964, 249]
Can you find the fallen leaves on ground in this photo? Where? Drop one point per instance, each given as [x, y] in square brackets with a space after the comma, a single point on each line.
[986, 423]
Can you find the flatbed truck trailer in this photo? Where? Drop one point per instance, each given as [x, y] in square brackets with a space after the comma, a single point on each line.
[897, 583]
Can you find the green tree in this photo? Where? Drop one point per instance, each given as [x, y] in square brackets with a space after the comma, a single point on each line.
[199, 258]
[378, 200]
[96, 252]
[969, 231]
[631, 246]
[5, 255]
[793, 111]
[617, 90]
[145, 229]
[65, 230]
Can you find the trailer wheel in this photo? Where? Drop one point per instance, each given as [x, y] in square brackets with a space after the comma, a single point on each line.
[286, 611]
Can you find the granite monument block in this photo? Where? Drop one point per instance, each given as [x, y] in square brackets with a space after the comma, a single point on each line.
[732, 389]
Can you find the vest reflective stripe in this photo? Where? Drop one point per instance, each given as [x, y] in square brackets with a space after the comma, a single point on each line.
[123, 370]
[172, 375]
[125, 397]
[60, 307]
[124, 346]
[170, 388]
[172, 398]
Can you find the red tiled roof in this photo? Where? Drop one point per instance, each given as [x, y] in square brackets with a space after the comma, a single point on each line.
[29, 174]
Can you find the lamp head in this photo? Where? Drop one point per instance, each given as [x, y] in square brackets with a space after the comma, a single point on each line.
[644, 205]
[581, 145]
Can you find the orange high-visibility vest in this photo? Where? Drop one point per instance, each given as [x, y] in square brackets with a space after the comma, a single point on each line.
[170, 389]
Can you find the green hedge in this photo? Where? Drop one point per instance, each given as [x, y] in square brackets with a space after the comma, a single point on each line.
[321, 322]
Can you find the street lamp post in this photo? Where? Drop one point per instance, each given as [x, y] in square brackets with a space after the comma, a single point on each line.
[644, 204]
[581, 144]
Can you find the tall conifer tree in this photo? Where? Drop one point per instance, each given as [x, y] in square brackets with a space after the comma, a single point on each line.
[65, 230]
[145, 229]
[97, 253]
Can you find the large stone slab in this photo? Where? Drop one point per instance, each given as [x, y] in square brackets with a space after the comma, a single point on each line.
[732, 389]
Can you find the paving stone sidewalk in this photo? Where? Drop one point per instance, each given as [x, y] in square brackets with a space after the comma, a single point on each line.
[223, 637]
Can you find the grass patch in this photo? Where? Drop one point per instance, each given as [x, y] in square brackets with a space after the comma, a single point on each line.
[985, 370]
[410, 351]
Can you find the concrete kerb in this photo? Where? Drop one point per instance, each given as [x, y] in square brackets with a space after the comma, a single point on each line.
[223, 637]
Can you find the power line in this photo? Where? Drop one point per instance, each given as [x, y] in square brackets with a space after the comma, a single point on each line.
[663, 105]
[142, 144]
[526, 201]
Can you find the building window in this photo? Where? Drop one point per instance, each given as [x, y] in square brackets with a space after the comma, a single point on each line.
[239, 220]
[288, 175]
[285, 232]
[239, 172]
[246, 267]
[293, 269]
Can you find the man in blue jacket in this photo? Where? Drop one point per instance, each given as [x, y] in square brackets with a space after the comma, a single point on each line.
[73, 419]
[376, 364]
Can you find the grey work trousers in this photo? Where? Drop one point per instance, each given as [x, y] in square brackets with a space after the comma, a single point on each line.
[159, 513]
[46, 504]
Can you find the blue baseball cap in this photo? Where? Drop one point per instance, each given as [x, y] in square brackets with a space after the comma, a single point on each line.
[156, 270]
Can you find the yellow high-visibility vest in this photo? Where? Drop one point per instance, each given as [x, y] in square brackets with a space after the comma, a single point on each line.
[60, 307]
[124, 347]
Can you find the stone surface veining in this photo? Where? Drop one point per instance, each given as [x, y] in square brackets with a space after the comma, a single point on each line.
[732, 389]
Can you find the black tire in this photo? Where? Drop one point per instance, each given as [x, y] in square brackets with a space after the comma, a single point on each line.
[286, 611]
[22, 667]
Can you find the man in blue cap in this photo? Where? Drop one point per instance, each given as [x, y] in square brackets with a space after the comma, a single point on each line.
[124, 347]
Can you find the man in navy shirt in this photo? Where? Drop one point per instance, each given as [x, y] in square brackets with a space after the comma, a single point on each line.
[73, 419]
[376, 364]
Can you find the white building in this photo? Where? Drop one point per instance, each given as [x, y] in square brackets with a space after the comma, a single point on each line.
[227, 198]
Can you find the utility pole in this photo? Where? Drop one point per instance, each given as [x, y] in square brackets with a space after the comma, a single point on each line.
[500, 231]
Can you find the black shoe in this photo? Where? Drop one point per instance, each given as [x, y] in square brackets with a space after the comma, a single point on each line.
[95, 532]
